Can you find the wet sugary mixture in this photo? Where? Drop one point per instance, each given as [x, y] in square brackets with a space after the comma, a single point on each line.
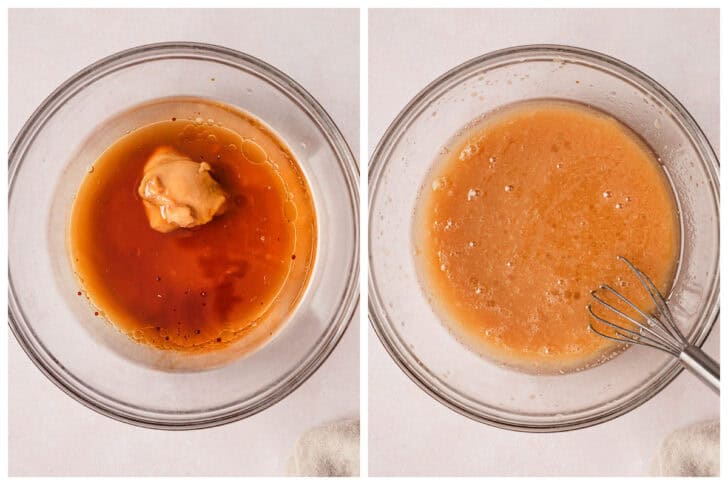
[525, 215]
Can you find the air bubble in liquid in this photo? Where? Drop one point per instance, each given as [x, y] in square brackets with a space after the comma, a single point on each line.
[439, 184]
[468, 152]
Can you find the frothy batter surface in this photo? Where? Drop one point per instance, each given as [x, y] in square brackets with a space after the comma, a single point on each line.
[525, 215]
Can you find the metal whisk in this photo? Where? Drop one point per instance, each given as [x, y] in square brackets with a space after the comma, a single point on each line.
[658, 330]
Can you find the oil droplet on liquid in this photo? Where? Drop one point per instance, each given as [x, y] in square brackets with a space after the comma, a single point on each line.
[290, 211]
[253, 152]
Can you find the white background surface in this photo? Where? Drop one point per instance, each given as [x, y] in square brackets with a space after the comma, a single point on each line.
[51, 434]
[409, 432]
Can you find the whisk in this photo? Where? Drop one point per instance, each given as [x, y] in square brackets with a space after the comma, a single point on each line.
[658, 330]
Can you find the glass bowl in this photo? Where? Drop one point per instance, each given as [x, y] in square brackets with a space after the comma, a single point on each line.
[88, 358]
[399, 310]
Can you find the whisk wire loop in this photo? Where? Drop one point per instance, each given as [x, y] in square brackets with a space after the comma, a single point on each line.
[652, 326]
[658, 329]
[626, 335]
[658, 300]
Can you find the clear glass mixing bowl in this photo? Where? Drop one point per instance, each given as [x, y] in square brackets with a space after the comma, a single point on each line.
[399, 311]
[88, 358]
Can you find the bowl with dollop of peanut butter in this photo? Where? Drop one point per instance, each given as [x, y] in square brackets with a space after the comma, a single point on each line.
[184, 235]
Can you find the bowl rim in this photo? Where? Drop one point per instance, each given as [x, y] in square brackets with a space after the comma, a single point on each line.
[89, 397]
[378, 316]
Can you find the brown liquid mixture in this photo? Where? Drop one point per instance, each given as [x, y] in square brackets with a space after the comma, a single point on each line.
[526, 215]
[196, 288]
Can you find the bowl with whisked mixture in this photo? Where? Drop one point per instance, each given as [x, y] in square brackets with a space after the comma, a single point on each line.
[530, 170]
[176, 248]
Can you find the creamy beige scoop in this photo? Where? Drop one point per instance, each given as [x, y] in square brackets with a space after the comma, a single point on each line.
[179, 192]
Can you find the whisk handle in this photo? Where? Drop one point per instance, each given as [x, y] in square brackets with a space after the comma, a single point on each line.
[703, 366]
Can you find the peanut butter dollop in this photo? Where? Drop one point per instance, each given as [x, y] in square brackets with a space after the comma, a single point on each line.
[179, 192]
